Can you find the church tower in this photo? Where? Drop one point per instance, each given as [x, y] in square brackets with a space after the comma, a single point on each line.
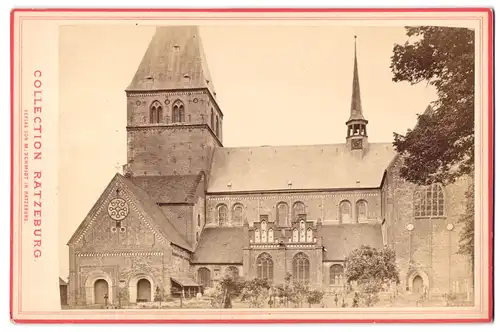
[357, 137]
[173, 120]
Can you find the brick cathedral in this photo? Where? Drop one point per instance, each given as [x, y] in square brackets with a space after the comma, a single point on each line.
[187, 211]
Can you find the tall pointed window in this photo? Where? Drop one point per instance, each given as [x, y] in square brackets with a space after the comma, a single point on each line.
[265, 267]
[336, 274]
[429, 201]
[257, 236]
[309, 236]
[345, 212]
[155, 112]
[282, 214]
[361, 210]
[217, 126]
[237, 214]
[298, 209]
[270, 235]
[178, 114]
[263, 231]
[301, 268]
[212, 119]
[222, 215]
[302, 231]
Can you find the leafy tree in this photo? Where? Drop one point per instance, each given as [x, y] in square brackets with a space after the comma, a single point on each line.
[441, 146]
[314, 297]
[227, 289]
[285, 291]
[466, 242]
[372, 270]
[255, 292]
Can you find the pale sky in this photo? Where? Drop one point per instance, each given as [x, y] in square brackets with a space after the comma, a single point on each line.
[276, 85]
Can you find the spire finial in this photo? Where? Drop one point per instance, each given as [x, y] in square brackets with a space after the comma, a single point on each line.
[356, 110]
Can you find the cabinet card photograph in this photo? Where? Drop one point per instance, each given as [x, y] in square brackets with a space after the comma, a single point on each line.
[252, 165]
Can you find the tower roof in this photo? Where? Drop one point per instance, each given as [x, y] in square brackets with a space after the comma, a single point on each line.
[356, 109]
[174, 59]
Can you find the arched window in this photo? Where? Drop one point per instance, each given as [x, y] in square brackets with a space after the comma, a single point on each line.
[204, 278]
[282, 214]
[263, 232]
[222, 215]
[197, 236]
[232, 272]
[237, 214]
[361, 210]
[429, 201]
[257, 236]
[309, 235]
[298, 209]
[155, 112]
[336, 274]
[212, 118]
[301, 268]
[217, 126]
[265, 267]
[178, 114]
[295, 235]
[270, 235]
[345, 211]
[302, 231]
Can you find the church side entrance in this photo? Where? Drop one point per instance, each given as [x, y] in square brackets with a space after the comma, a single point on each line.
[418, 285]
[143, 290]
[100, 291]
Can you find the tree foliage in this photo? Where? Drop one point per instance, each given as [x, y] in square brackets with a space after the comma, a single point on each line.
[441, 146]
[255, 292]
[372, 270]
[227, 289]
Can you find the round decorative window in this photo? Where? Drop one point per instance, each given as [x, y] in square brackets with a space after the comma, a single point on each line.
[449, 227]
[118, 209]
[410, 227]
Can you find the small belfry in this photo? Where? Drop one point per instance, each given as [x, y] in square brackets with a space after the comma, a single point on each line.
[357, 137]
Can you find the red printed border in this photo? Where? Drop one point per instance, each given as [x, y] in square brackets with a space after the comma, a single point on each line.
[270, 10]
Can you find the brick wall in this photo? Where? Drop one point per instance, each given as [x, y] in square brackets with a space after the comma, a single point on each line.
[167, 147]
[430, 248]
[320, 205]
[283, 263]
[198, 106]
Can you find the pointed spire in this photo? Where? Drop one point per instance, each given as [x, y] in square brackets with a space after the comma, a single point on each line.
[356, 109]
[174, 60]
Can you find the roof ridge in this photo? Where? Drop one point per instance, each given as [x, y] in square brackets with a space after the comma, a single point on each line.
[292, 145]
[145, 199]
[192, 191]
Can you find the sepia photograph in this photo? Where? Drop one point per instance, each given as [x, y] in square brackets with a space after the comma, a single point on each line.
[213, 168]
[349, 221]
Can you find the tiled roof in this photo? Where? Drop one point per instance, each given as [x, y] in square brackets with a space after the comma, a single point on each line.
[168, 189]
[304, 167]
[174, 60]
[185, 281]
[155, 212]
[220, 245]
[340, 240]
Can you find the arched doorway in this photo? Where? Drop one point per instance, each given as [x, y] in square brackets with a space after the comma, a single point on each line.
[204, 277]
[100, 291]
[143, 290]
[418, 285]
